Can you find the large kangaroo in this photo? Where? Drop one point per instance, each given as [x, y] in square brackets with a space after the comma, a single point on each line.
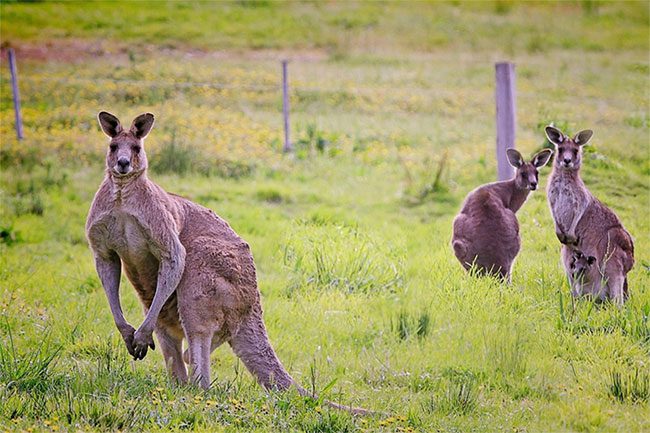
[585, 224]
[193, 274]
[486, 231]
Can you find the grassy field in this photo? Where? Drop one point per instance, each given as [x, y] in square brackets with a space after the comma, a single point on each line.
[393, 122]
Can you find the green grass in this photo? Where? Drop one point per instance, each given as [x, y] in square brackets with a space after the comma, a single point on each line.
[393, 118]
[336, 27]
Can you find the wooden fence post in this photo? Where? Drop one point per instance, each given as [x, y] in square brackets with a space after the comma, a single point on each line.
[288, 147]
[506, 118]
[14, 86]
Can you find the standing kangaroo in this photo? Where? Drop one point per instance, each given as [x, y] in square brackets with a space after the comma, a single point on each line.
[193, 274]
[486, 231]
[582, 222]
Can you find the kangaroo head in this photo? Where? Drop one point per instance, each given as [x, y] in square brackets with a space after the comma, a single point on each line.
[526, 176]
[125, 154]
[580, 264]
[568, 155]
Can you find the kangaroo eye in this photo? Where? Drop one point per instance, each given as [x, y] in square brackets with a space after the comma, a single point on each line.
[113, 147]
[136, 149]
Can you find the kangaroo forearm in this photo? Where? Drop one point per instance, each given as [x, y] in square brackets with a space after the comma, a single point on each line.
[575, 222]
[109, 271]
[169, 276]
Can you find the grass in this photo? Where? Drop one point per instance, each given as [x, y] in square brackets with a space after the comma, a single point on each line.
[393, 120]
[630, 385]
[337, 28]
[27, 371]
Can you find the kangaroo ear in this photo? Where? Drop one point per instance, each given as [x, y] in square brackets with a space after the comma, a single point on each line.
[591, 260]
[109, 124]
[142, 125]
[583, 137]
[514, 158]
[554, 135]
[541, 158]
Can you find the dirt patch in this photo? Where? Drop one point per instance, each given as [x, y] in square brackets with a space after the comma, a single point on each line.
[60, 50]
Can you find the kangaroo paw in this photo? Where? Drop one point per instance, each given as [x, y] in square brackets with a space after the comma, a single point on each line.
[567, 239]
[141, 342]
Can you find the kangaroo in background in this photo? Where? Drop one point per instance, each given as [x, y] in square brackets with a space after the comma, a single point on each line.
[582, 222]
[194, 276]
[486, 231]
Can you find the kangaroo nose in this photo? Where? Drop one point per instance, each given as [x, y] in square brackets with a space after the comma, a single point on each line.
[533, 185]
[567, 160]
[123, 163]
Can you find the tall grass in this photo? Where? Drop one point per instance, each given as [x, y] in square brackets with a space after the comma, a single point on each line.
[457, 394]
[29, 370]
[630, 385]
[408, 325]
[340, 258]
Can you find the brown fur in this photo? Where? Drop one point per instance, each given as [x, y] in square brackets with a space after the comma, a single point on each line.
[195, 277]
[486, 231]
[583, 223]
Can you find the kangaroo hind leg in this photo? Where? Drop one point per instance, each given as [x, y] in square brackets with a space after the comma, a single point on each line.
[199, 357]
[217, 340]
[616, 288]
[171, 347]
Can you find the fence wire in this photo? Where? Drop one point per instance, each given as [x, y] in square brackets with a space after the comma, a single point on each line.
[32, 82]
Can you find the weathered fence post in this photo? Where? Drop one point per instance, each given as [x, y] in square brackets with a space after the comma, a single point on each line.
[14, 86]
[288, 147]
[506, 119]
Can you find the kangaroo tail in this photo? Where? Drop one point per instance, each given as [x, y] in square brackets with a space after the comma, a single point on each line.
[352, 409]
[251, 344]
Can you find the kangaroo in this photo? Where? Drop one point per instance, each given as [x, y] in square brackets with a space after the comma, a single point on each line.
[584, 277]
[584, 223]
[194, 276]
[486, 231]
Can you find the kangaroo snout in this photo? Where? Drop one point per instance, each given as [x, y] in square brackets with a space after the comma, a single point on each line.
[567, 162]
[533, 186]
[123, 165]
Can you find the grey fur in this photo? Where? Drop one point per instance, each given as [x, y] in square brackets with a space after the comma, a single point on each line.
[583, 223]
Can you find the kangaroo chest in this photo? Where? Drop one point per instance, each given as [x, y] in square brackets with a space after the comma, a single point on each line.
[122, 233]
[567, 200]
